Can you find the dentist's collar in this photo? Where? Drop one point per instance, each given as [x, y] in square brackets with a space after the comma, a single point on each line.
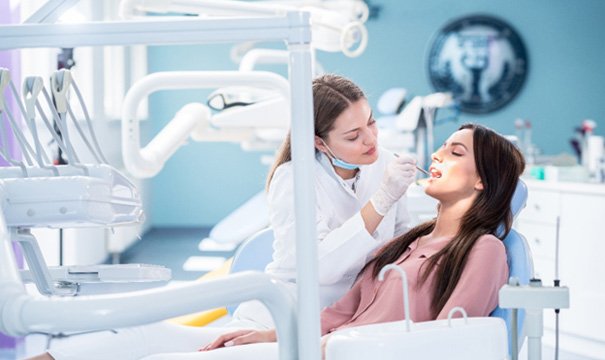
[326, 163]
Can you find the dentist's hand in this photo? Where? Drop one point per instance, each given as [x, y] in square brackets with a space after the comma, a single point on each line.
[241, 337]
[399, 175]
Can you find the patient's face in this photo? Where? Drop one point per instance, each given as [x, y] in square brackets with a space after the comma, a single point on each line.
[353, 138]
[453, 172]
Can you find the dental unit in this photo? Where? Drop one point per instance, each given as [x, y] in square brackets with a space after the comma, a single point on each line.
[23, 313]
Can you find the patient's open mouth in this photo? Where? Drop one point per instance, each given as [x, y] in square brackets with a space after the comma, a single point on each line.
[435, 173]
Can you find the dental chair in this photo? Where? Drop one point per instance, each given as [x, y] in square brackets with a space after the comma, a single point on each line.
[254, 253]
[477, 338]
[521, 270]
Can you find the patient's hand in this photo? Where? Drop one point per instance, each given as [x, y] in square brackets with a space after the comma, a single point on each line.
[241, 337]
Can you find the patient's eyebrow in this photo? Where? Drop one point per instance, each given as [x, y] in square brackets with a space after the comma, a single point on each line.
[461, 144]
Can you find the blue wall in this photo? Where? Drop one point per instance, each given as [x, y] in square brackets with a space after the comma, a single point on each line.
[565, 40]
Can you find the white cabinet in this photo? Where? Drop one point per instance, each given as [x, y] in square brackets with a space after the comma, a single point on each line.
[581, 209]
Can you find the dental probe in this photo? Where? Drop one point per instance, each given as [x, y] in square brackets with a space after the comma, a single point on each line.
[417, 167]
[423, 171]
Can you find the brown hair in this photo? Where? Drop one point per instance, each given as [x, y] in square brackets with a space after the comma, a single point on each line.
[332, 95]
[499, 164]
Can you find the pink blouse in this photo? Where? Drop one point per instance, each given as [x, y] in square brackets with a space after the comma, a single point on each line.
[372, 301]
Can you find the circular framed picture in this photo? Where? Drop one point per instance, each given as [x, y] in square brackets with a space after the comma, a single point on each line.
[481, 60]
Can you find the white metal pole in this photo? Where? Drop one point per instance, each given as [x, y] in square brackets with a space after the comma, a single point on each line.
[534, 320]
[303, 158]
[149, 32]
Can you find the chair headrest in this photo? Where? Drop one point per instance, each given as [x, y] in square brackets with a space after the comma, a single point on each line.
[519, 199]
[517, 203]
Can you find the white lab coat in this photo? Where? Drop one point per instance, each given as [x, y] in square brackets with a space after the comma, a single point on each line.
[344, 244]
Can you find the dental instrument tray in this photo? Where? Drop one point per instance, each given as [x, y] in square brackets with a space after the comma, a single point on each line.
[68, 196]
[103, 279]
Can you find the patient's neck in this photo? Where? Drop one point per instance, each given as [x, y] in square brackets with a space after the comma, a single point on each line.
[449, 218]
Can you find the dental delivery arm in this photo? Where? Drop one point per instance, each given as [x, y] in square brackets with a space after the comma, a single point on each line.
[22, 313]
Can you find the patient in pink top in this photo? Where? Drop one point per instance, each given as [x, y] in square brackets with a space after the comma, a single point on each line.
[453, 260]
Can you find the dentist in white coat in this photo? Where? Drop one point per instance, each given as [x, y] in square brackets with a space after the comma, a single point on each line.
[359, 190]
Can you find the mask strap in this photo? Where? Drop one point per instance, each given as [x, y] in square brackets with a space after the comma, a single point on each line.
[329, 150]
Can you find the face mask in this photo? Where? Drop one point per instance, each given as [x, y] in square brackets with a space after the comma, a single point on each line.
[338, 162]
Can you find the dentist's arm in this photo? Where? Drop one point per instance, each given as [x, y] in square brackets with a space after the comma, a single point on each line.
[342, 249]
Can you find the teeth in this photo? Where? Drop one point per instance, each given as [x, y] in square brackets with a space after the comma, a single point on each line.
[435, 174]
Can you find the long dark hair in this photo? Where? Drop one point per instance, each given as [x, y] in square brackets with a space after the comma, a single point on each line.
[332, 95]
[499, 164]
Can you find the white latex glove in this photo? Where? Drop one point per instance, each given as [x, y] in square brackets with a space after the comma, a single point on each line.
[399, 175]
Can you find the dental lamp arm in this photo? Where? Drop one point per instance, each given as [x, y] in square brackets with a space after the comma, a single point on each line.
[336, 29]
[130, 8]
[263, 56]
[256, 56]
[438, 100]
[149, 160]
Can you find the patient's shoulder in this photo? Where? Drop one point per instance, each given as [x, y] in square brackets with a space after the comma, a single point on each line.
[487, 258]
[489, 246]
[489, 239]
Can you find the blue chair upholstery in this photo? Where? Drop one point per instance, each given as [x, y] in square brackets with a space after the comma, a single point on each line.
[254, 254]
[520, 265]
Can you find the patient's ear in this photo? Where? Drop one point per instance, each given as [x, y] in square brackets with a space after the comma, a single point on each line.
[479, 185]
